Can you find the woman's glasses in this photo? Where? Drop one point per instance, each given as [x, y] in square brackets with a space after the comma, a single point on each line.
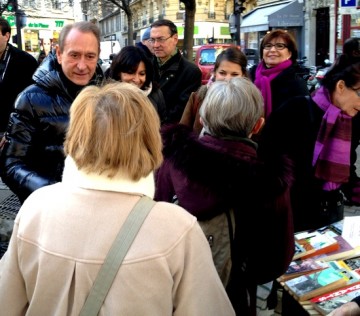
[278, 46]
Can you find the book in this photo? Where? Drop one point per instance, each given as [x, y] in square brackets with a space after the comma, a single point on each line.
[345, 251]
[302, 267]
[346, 268]
[314, 243]
[327, 302]
[310, 285]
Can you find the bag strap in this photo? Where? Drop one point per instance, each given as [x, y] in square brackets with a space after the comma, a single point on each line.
[115, 256]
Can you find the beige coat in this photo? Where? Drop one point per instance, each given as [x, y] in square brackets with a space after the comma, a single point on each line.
[63, 233]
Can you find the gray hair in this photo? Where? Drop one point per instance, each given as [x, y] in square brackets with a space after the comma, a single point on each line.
[231, 108]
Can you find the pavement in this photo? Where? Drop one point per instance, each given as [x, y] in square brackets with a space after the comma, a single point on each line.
[9, 206]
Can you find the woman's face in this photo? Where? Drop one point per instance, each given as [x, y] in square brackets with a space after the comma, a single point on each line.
[138, 78]
[228, 70]
[273, 55]
[347, 99]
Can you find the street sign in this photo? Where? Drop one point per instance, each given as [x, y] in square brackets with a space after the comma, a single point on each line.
[348, 3]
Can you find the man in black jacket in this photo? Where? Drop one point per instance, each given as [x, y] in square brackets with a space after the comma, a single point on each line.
[176, 76]
[16, 70]
[33, 155]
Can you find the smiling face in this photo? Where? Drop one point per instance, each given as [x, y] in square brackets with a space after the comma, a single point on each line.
[273, 55]
[137, 78]
[228, 70]
[79, 57]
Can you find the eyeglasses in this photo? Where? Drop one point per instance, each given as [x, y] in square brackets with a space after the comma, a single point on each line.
[278, 46]
[357, 91]
[160, 40]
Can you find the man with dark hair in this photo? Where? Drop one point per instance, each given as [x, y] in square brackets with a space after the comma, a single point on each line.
[177, 76]
[16, 70]
[33, 155]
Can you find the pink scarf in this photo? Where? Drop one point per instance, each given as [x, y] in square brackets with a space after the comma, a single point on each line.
[333, 144]
[263, 78]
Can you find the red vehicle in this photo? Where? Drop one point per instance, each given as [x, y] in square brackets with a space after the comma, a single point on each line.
[205, 58]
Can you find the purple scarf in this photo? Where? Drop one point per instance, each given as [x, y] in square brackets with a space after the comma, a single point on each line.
[332, 148]
[263, 77]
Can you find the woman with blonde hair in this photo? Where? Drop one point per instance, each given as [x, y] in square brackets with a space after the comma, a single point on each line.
[64, 231]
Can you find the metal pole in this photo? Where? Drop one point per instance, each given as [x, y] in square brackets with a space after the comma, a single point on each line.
[18, 17]
[238, 22]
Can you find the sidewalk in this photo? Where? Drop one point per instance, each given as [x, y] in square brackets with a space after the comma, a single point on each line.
[9, 206]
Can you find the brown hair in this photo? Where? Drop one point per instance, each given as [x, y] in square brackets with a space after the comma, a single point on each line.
[83, 27]
[288, 39]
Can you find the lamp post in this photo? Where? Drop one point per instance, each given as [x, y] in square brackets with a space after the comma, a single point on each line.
[238, 9]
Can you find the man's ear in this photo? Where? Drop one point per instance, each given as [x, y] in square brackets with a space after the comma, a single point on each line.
[58, 54]
[258, 125]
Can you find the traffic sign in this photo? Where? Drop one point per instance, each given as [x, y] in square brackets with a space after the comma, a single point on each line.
[348, 3]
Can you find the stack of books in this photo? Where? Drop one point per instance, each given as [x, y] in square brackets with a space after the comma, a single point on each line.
[325, 271]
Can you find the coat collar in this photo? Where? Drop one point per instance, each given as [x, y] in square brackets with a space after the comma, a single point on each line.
[72, 176]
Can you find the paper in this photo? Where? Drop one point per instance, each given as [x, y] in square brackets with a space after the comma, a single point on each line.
[351, 230]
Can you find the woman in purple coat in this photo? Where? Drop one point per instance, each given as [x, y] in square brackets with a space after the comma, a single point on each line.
[220, 171]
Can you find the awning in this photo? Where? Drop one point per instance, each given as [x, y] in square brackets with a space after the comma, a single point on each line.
[279, 15]
[290, 15]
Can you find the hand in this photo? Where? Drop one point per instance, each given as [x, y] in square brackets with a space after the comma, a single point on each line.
[348, 309]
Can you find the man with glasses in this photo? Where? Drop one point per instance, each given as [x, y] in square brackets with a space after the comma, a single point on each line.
[177, 76]
[16, 70]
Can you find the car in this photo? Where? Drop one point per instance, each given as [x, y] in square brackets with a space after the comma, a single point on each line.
[205, 57]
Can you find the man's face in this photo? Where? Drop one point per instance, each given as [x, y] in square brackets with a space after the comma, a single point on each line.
[3, 41]
[79, 58]
[164, 44]
[148, 45]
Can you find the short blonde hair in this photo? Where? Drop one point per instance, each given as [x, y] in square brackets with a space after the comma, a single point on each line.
[231, 108]
[112, 129]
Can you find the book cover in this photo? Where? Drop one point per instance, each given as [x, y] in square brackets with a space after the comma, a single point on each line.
[345, 251]
[315, 244]
[327, 302]
[301, 267]
[308, 286]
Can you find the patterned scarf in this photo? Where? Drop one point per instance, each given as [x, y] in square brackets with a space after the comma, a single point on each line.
[332, 148]
[263, 77]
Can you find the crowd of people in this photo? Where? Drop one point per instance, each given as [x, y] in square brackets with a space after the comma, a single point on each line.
[254, 151]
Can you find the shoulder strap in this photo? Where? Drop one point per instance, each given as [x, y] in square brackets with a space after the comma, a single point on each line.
[115, 256]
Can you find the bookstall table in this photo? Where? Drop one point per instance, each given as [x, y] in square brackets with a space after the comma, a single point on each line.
[292, 307]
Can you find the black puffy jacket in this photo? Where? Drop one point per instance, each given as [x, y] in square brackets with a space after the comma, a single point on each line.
[33, 155]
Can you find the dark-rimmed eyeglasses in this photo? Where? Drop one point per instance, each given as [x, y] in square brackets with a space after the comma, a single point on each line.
[160, 40]
[278, 46]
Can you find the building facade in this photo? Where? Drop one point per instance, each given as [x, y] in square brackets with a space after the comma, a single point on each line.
[42, 23]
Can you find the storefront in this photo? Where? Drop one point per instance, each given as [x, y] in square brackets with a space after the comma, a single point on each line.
[38, 33]
[285, 15]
